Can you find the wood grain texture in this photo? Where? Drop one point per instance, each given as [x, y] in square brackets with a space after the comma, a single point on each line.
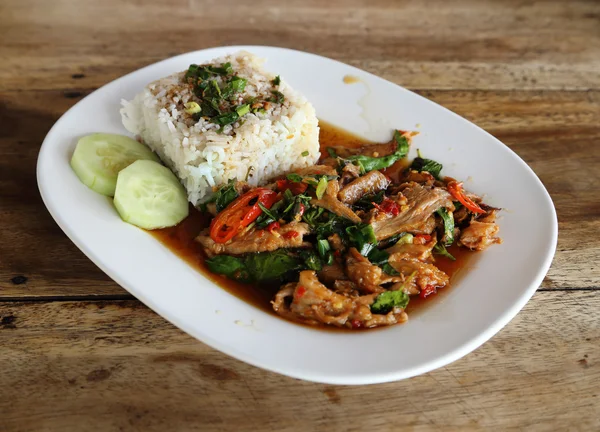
[118, 366]
[528, 72]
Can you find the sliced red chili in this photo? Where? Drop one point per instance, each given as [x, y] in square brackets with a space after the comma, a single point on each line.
[291, 234]
[456, 190]
[421, 238]
[295, 187]
[240, 213]
[273, 226]
[388, 206]
[302, 209]
[428, 290]
[356, 323]
[300, 291]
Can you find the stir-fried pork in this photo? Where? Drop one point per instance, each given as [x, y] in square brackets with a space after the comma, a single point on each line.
[419, 274]
[481, 233]
[422, 203]
[331, 202]
[313, 303]
[257, 240]
[369, 183]
[368, 277]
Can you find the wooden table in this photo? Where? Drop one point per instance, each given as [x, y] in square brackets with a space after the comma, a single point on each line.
[79, 353]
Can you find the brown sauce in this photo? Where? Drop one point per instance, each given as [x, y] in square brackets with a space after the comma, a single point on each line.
[180, 239]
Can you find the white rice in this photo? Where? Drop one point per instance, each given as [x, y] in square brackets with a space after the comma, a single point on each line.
[260, 146]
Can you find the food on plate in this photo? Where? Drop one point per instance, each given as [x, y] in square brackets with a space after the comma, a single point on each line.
[347, 241]
[342, 237]
[99, 157]
[225, 119]
[149, 196]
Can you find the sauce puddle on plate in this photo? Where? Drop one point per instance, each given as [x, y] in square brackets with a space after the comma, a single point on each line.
[180, 240]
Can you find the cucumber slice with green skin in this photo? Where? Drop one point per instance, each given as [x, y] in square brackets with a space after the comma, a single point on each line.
[149, 196]
[98, 158]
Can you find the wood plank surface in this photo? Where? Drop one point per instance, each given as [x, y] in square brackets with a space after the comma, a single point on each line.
[118, 366]
[79, 353]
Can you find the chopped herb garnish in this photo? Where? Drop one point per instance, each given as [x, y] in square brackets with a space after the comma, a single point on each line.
[421, 164]
[331, 152]
[321, 187]
[367, 163]
[294, 177]
[305, 153]
[276, 81]
[278, 97]
[242, 110]
[192, 107]
[440, 249]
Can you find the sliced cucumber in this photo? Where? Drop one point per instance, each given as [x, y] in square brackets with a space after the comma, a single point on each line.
[149, 195]
[98, 158]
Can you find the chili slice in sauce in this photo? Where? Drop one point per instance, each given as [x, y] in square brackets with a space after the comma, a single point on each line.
[240, 213]
[456, 190]
[295, 187]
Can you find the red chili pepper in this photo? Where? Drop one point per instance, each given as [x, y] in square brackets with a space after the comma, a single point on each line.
[428, 290]
[421, 238]
[290, 234]
[295, 187]
[388, 206]
[337, 253]
[456, 190]
[300, 291]
[273, 226]
[302, 209]
[240, 213]
[356, 323]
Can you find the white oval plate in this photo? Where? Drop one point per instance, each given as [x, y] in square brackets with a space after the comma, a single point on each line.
[487, 297]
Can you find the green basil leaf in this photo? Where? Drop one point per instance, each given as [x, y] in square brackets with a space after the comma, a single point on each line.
[276, 81]
[388, 300]
[271, 265]
[225, 195]
[432, 167]
[226, 119]
[440, 249]
[294, 177]
[331, 152]
[367, 163]
[232, 267]
[363, 237]
[448, 219]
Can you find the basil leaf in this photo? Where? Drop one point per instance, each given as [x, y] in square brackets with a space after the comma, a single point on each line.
[311, 260]
[232, 267]
[276, 81]
[432, 167]
[271, 265]
[380, 258]
[321, 187]
[366, 201]
[367, 163]
[440, 249]
[448, 219]
[225, 195]
[294, 177]
[363, 237]
[267, 211]
[388, 300]
[323, 247]
[312, 215]
[331, 152]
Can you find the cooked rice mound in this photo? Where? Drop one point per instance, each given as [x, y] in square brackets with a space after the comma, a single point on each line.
[260, 145]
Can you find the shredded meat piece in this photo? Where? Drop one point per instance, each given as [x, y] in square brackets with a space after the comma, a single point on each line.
[313, 303]
[367, 277]
[481, 233]
[371, 182]
[345, 286]
[375, 150]
[422, 202]
[349, 173]
[256, 240]
[316, 169]
[421, 252]
[330, 202]
[336, 242]
[418, 274]
[418, 177]
[331, 273]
